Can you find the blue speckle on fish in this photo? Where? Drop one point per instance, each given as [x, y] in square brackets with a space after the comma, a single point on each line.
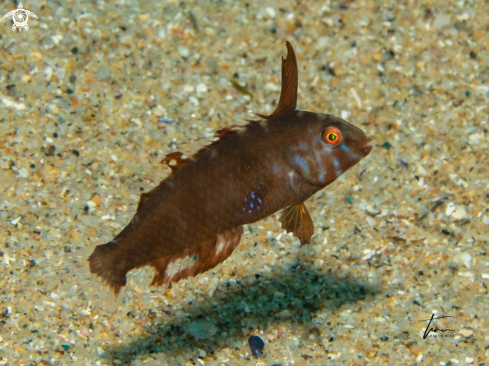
[303, 164]
[351, 154]
[336, 164]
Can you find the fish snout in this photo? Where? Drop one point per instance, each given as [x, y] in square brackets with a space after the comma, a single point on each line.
[366, 148]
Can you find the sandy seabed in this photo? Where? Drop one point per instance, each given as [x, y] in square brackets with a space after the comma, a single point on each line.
[96, 93]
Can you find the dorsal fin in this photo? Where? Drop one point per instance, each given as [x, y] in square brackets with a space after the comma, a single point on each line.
[176, 156]
[226, 131]
[290, 82]
[144, 197]
[176, 161]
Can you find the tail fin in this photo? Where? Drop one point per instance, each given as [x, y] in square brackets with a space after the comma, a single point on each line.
[67, 275]
[108, 263]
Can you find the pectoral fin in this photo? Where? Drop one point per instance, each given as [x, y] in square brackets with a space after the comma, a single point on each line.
[296, 219]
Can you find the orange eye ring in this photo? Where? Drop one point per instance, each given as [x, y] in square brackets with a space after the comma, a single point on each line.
[333, 135]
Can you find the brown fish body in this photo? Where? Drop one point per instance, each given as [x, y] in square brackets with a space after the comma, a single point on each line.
[193, 220]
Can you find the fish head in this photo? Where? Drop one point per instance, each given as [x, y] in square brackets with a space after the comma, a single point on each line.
[327, 147]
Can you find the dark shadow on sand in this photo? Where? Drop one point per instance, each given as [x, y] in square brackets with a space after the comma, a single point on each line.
[306, 290]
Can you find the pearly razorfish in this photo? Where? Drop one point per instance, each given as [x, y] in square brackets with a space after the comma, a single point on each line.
[192, 220]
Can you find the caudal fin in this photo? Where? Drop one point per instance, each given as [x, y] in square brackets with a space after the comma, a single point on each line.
[108, 262]
[67, 275]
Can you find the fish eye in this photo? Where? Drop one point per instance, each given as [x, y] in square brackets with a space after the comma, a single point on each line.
[333, 135]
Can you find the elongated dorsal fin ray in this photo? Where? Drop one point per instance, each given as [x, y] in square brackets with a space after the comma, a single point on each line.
[296, 219]
[290, 82]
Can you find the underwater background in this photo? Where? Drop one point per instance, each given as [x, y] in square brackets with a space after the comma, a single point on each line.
[95, 94]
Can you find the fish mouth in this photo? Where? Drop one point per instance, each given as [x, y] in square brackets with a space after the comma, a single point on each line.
[366, 148]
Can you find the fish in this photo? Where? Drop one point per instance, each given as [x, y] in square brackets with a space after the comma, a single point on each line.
[193, 220]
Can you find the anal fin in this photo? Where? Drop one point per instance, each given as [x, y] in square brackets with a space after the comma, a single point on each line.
[296, 219]
[197, 259]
